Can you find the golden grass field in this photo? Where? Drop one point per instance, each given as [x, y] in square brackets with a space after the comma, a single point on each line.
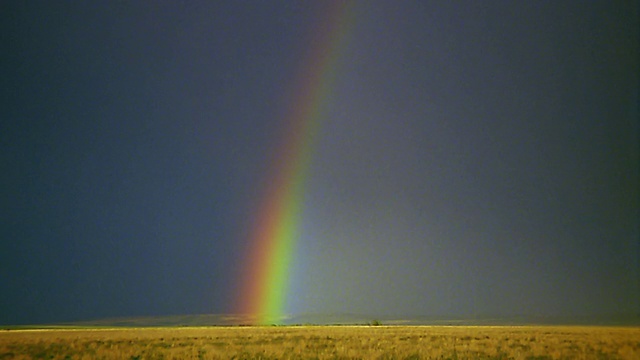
[325, 342]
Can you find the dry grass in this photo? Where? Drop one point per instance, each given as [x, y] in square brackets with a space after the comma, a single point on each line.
[326, 342]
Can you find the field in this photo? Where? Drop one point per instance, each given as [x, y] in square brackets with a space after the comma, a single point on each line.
[325, 342]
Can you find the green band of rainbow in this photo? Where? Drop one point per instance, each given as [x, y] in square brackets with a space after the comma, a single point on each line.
[266, 271]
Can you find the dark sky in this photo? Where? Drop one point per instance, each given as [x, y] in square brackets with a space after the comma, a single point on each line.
[477, 158]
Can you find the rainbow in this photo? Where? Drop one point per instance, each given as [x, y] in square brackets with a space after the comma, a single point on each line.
[265, 273]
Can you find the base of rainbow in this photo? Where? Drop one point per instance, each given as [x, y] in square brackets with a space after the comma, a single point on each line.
[265, 275]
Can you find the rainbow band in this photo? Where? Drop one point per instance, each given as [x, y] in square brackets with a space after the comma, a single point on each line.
[266, 272]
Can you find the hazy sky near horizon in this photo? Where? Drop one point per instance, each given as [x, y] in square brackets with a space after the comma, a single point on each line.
[477, 158]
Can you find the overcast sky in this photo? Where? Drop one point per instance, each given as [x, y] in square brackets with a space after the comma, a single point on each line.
[476, 158]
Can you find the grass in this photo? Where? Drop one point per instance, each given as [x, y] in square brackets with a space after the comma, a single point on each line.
[325, 342]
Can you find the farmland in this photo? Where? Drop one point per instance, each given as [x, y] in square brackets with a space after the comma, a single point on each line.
[325, 342]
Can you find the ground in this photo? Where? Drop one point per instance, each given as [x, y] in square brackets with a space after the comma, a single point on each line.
[325, 342]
